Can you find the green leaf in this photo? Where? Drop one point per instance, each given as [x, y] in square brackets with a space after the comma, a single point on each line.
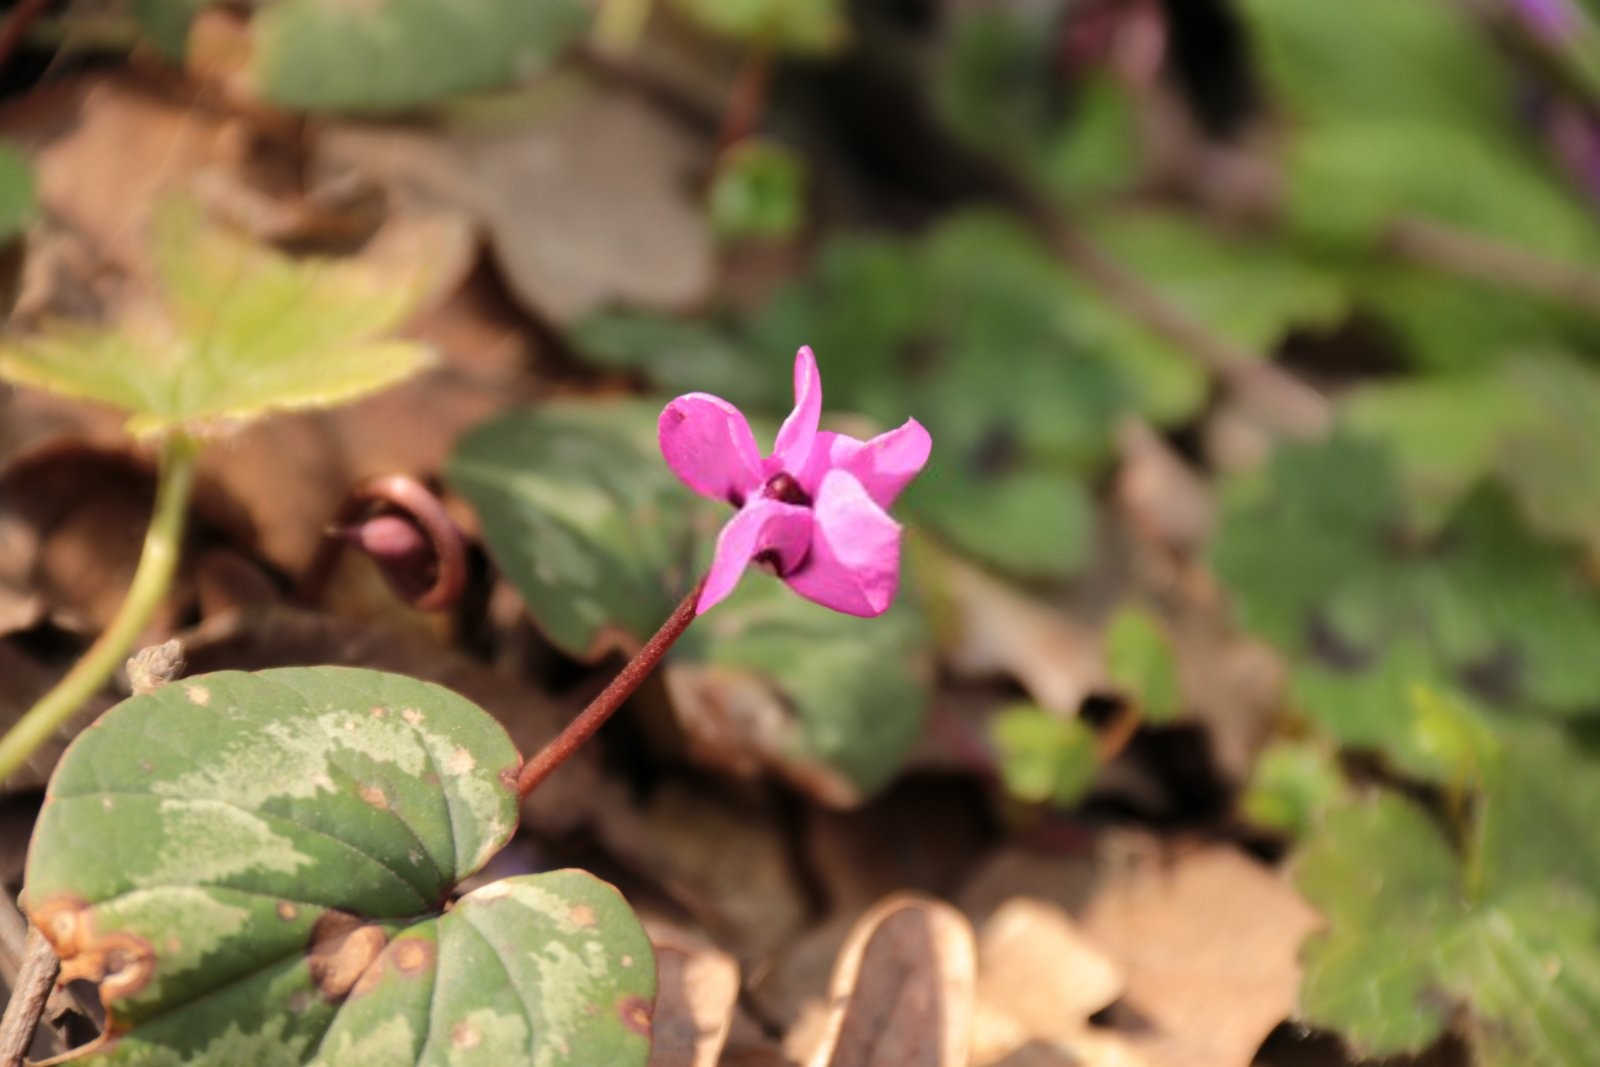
[1318, 557]
[1532, 422]
[681, 356]
[387, 56]
[758, 192]
[1348, 180]
[853, 692]
[1250, 290]
[584, 517]
[1448, 323]
[1423, 60]
[1409, 938]
[1140, 660]
[253, 865]
[1291, 785]
[997, 87]
[248, 331]
[17, 201]
[804, 26]
[1044, 758]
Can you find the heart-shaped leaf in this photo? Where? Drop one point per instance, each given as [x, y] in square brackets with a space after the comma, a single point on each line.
[583, 517]
[253, 867]
[247, 330]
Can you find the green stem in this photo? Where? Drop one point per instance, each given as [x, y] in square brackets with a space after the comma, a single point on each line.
[157, 564]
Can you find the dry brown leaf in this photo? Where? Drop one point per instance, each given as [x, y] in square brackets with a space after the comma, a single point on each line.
[725, 864]
[901, 993]
[1208, 939]
[987, 629]
[922, 834]
[1164, 499]
[586, 200]
[72, 522]
[697, 987]
[1039, 980]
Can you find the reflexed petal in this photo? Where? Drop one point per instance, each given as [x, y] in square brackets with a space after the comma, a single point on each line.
[883, 465]
[763, 525]
[708, 444]
[854, 563]
[799, 431]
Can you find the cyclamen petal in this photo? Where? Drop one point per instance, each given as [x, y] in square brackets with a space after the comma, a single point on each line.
[708, 444]
[854, 563]
[798, 433]
[884, 465]
[815, 507]
[763, 525]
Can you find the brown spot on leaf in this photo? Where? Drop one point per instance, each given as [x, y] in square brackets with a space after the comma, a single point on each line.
[287, 911]
[412, 716]
[342, 947]
[380, 712]
[508, 777]
[120, 962]
[581, 915]
[198, 695]
[464, 1035]
[459, 762]
[374, 796]
[634, 1011]
[413, 955]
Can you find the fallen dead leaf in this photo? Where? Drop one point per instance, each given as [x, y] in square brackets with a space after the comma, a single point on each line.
[1164, 499]
[585, 197]
[901, 993]
[697, 987]
[1039, 980]
[1208, 939]
[724, 863]
[922, 834]
[986, 629]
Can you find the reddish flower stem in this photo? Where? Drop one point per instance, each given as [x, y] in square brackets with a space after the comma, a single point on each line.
[602, 707]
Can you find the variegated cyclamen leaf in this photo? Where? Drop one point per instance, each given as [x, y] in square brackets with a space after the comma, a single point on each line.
[246, 330]
[255, 868]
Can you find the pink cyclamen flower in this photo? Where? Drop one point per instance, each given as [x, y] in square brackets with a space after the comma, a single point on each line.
[815, 510]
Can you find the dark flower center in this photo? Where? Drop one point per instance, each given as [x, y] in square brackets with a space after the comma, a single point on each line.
[782, 487]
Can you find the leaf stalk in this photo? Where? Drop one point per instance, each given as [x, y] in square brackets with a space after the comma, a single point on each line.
[158, 562]
[602, 707]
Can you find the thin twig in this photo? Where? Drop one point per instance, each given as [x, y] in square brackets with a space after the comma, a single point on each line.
[602, 707]
[16, 24]
[1435, 244]
[747, 99]
[1120, 731]
[34, 982]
